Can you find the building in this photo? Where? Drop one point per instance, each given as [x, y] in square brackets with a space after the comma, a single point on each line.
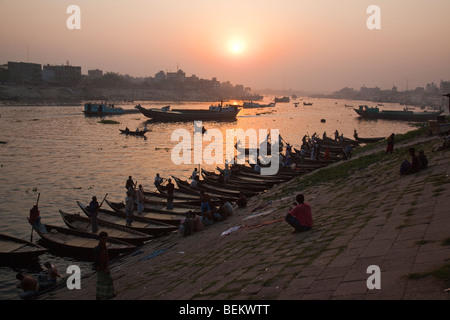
[95, 74]
[445, 87]
[177, 76]
[64, 75]
[160, 76]
[22, 72]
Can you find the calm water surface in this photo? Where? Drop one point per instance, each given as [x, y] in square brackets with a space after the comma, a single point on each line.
[66, 156]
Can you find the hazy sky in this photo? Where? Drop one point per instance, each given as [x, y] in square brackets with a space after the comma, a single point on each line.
[320, 45]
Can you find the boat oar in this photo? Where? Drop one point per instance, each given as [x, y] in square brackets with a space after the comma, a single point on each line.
[96, 212]
[32, 228]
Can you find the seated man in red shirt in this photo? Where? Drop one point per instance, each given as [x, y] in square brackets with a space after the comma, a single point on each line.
[300, 216]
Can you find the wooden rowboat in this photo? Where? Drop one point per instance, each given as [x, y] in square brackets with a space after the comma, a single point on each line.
[159, 198]
[134, 133]
[165, 218]
[13, 249]
[141, 224]
[116, 231]
[162, 209]
[224, 196]
[369, 140]
[75, 243]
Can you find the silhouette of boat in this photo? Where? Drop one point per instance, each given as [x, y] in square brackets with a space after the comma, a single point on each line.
[405, 115]
[214, 113]
[103, 109]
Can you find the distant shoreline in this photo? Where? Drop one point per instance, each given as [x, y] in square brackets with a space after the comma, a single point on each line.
[45, 95]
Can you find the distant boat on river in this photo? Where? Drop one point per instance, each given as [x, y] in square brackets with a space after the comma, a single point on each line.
[134, 133]
[252, 104]
[103, 109]
[283, 99]
[405, 115]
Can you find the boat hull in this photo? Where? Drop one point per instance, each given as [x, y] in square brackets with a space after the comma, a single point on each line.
[79, 244]
[180, 115]
[399, 115]
[13, 249]
[92, 109]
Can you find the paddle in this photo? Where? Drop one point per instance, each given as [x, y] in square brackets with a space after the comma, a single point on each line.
[32, 228]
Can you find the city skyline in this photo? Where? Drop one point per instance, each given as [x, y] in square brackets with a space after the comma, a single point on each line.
[298, 45]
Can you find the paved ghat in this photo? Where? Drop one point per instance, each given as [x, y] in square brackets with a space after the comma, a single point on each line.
[371, 217]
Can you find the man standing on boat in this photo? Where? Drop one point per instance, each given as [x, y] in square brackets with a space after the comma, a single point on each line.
[130, 183]
[35, 218]
[129, 207]
[140, 197]
[93, 209]
[170, 188]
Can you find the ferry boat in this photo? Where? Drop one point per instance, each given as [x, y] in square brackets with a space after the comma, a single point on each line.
[252, 104]
[403, 115]
[213, 113]
[283, 99]
[103, 109]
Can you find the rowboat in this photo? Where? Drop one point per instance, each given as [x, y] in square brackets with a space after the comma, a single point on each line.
[342, 140]
[188, 193]
[183, 185]
[253, 176]
[234, 179]
[335, 155]
[369, 140]
[159, 198]
[133, 133]
[249, 151]
[252, 104]
[219, 190]
[213, 113]
[249, 171]
[405, 115]
[168, 219]
[70, 242]
[13, 249]
[140, 223]
[212, 180]
[283, 99]
[177, 193]
[161, 209]
[114, 230]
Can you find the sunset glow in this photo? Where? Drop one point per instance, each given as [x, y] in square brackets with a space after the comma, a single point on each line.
[236, 46]
[313, 46]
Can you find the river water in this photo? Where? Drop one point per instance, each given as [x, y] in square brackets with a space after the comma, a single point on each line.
[66, 156]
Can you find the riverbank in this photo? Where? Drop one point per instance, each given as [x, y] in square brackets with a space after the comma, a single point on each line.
[48, 95]
[364, 214]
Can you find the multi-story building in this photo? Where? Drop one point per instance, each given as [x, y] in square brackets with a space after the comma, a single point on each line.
[95, 74]
[445, 87]
[64, 75]
[24, 72]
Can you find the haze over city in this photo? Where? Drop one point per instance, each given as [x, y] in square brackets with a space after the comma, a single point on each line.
[314, 46]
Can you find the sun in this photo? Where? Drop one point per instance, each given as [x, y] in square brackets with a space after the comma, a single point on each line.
[236, 46]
